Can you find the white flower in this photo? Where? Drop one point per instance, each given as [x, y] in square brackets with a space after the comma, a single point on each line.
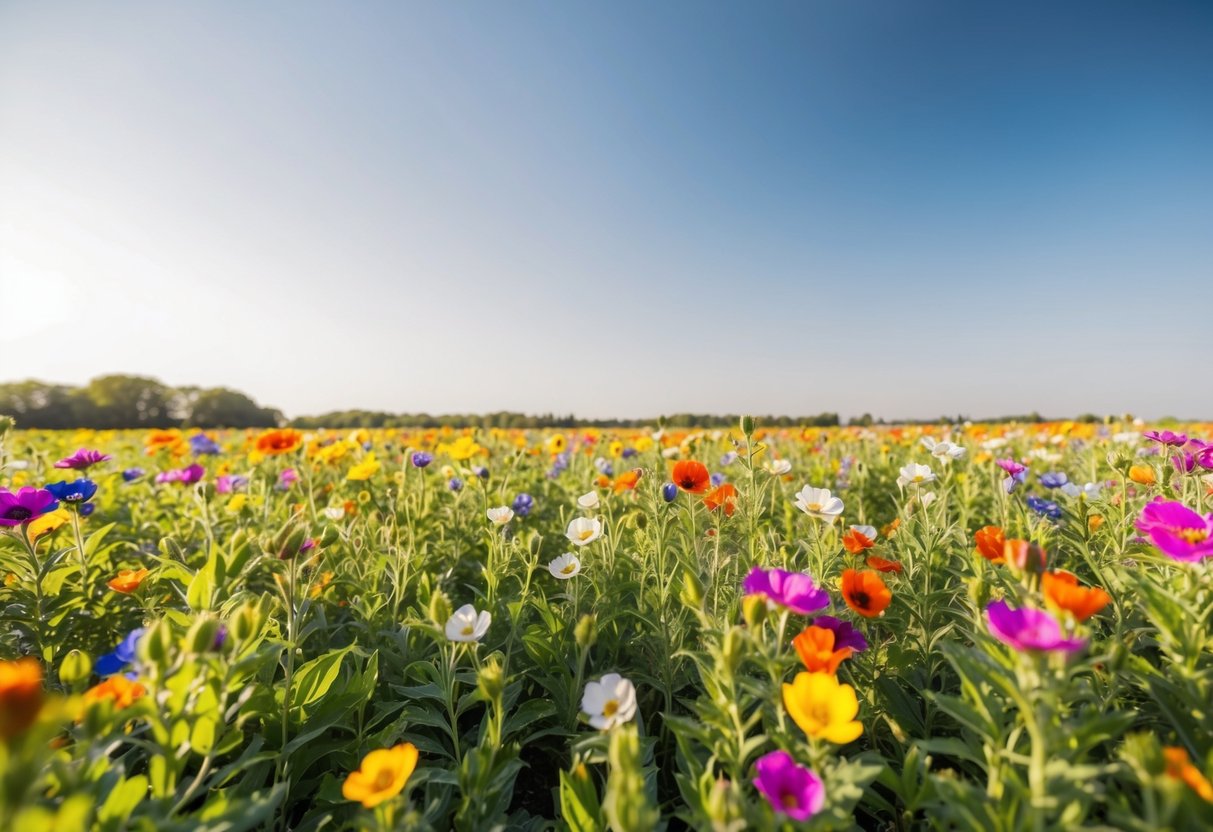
[468, 625]
[994, 444]
[500, 515]
[609, 702]
[778, 467]
[19, 464]
[334, 512]
[916, 475]
[583, 530]
[565, 566]
[1090, 490]
[671, 453]
[926, 498]
[819, 503]
[588, 501]
[1130, 437]
[942, 450]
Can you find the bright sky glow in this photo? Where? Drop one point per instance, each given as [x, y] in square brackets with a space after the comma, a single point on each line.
[615, 209]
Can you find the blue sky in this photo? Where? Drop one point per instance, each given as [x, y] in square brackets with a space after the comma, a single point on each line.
[902, 208]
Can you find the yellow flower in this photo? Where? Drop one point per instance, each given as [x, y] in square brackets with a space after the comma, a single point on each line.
[381, 776]
[615, 449]
[365, 469]
[236, 503]
[556, 443]
[1142, 475]
[823, 707]
[464, 447]
[47, 523]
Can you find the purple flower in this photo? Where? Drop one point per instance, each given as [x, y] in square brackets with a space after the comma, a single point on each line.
[455, 484]
[1028, 629]
[717, 480]
[228, 483]
[1011, 466]
[845, 634]
[18, 508]
[480, 471]
[131, 474]
[1053, 479]
[185, 476]
[1202, 452]
[1184, 462]
[1178, 531]
[1017, 474]
[287, 478]
[604, 467]
[78, 491]
[791, 789]
[1045, 508]
[523, 504]
[628, 453]
[201, 444]
[793, 590]
[422, 459]
[82, 459]
[1166, 437]
[728, 459]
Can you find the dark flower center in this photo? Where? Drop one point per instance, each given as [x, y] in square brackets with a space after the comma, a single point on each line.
[861, 599]
[18, 513]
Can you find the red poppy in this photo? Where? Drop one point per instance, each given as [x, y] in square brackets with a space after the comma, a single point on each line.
[991, 544]
[627, 480]
[691, 476]
[725, 495]
[882, 565]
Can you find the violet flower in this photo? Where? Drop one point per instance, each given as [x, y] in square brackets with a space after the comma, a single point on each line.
[1029, 629]
[792, 590]
[26, 504]
[1176, 530]
[82, 459]
[791, 789]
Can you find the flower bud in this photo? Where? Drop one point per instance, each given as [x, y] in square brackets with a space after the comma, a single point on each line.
[156, 646]
[247, 620]
[754, 610]
[201, 636]
[668, 492]
[440, 608]
[75, 668]
[732, 648]
[586, 631]
[490, 680]
[747, 425]
[692, 589]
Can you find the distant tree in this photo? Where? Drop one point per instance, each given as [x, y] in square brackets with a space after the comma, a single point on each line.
[121, 401]
[223, 408]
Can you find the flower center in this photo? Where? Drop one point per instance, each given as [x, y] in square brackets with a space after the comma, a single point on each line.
[789, 800]
[384, 779]
[585, 534]
[568, 570]
[468, 629]
[611, 707]
[1193, 536]
[814, 506]
[19, 513]
[861, 599]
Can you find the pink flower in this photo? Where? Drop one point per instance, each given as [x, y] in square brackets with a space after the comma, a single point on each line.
[791, 789]
[793, 590]
[1178, 531]
[82, 459]
[1028, 629]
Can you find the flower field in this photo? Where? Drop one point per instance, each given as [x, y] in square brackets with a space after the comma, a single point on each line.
[992, 627]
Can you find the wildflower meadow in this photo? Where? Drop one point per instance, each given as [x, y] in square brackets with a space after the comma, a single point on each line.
[977, 626]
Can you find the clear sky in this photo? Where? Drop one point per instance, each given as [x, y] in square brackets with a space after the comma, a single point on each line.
[615, 209]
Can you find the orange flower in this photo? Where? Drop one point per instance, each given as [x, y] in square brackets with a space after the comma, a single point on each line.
[691, 476]
[815, 645]
[725, 495]
[1142, 475]
[158, 440]
[118, 689]
[888, 529]
[991, 544]
[279, 441]
[865, 592]
[1179, 766]
[627, 480]
[20, 695]
[1094, 522]
[856, 541]
[882, 565]
[350, 508]
[1061, 590]
[128, 580]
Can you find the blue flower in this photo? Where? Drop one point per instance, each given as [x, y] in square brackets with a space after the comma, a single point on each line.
[728, 459]
[422, 459]
[202, 444]
[717, 480]
[77, 491]
[455, 484]
[604, 467]
[121, 656]
[628, 453]
[87, 509]
[1045, 508]
[1053, 479]
[668, 492]
[132, 474]
[523, 504]
[480, 471]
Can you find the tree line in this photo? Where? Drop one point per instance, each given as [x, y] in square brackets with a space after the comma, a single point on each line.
[121, 401]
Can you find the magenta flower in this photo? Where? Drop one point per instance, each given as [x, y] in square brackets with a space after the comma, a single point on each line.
[1017, 474]
[791, 789]
[1166, 437]
[82, 459]
[793, 590]
[287, 478]
[185, 476]
[1202, 453]
[1178, 531]
[26, 504]
[1011, 466]
[1028, 629]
